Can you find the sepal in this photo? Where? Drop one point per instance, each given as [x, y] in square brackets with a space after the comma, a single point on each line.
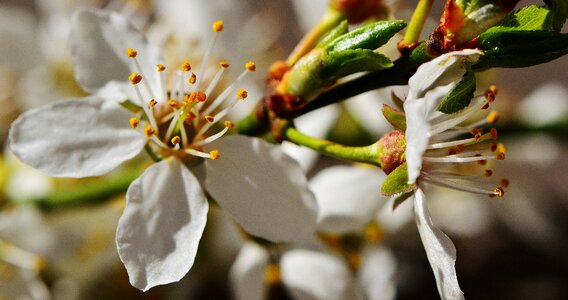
[395, 117]
[397, 182]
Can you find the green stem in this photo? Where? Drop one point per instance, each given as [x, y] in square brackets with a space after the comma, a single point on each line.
[417, 21]
[366, 154]
[331, 19]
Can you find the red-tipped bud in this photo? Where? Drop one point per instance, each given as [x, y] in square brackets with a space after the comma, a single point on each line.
[358, 11]
[391, 149]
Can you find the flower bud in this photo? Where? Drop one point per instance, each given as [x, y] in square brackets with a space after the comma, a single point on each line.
[391, 149]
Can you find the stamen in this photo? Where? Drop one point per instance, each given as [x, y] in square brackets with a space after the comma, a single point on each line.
[134, 122]
[221, 98]
[250, 66]
[160, 67]
[149, 131]
[218, 26]
[175, 140]
[229, 124]
[488, 172]
[455, 159]
[224, 64]
[501, 148]
[146, 85]
[152, 103]
[192, 79]
[216, 78]
[499, 192]
[504, 182]
[173, 104]
[131, 52]
[459, 187]
[135, 78]
[210, 119]
[493, 117]
[212, 138]
[197, 153]
[186, 67]
[214, 155]
[242, 94]
[272, 275]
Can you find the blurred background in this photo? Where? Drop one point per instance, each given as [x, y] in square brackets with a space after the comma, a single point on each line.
[52, 247]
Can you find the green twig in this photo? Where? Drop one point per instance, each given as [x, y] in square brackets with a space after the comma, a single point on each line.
[417, 21]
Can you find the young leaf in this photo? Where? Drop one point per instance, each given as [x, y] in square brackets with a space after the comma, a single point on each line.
[530, 18]
[395, 117]
[397, 182]
[346, 62]
[460, 96]
[336, 32]
[369, 36]
[560, 10]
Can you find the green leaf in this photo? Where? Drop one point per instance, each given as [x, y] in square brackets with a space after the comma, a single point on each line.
[460, 96]
[397, 182]
[370, 36]
[342, 63]
[560, 10]
[395, 117]
[515, 49]
[336, 32]
[530, 18]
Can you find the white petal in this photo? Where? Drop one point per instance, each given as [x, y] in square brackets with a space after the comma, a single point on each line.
[348, 197]
[160, 228]
[247, 273]
[75, 138]
[377, 273]
[316, 124]
[264, 189]
[442, 70]
[98, 45]
[417, 128]
[314, 275]
[439, 249]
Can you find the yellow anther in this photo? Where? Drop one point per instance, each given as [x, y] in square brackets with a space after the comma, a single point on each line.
[40, 263]
[251, 66]
[374, 234]
[214, 154]
[224, 64]
[242, 94]
[149, 131]
[210, 119]
[488, 172]
[218, 26]
[272, 274]
[499, 192]
[152, 103]
[229, 124]
[173, 104]
[201, 96]
[501, 148]
[186, 66]
[131, 52]
[135, 78]
[492, 117]
[331, 240]
[500, 156]
[160, 67]
[192, 79]
[134, 122]
[491, 93]
[175, 140]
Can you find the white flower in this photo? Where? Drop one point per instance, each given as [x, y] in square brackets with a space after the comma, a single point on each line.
[166, 210]
[432, 152]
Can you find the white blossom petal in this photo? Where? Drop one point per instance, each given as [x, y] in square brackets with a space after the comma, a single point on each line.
[315, 275]
[160, 228]
[99, 41]
[247, 273]
[377, 273]
[417, 128]
[264, 189]
[442, 70]
[75, 138]
[348, 197]
[439, 249]
[317, 124]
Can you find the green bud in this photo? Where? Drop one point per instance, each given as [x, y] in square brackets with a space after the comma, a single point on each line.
[395, 117]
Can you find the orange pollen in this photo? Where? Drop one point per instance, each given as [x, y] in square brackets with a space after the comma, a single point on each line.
[504, 182]
[493, 147]
[186, 66]
[192, 79]
[201, 97]
[131, 52]
[224, 64]
[491, 93]
[251, 66]
[486, 106]
[229, 124]
[152, 103]
[488, 172]
[173, 104]
[477, 137]
[476, 131]
[218, 26]
[494, 133]
[210, 119]
[493, 117]
[501, 148]
[242, 94]
[214, 154]
[499, 192]
[135, 78]
[149, 131]
[175, 140]
[272, 274]
[500, 156]
[160, 67]
[134, 122]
